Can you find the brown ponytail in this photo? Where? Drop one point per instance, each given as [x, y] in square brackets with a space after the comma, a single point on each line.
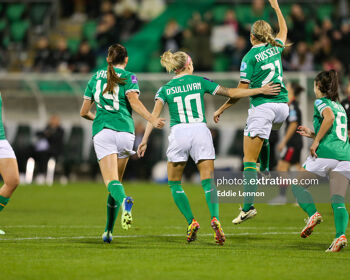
[116, 55]
[327, 83]
[262, 31]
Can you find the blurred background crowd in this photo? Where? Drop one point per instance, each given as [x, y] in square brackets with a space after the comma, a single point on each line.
[216, 36]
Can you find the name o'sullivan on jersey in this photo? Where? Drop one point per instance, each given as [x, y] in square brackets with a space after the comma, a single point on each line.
[231, 193]
[184, 88]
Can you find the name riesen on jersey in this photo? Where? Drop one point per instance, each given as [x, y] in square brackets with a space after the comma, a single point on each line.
[266, 54]
[184, 88]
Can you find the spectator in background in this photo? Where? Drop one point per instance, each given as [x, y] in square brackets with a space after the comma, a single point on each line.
[61, 56]
[106, 7]
[236, 53]
[172, 36]
[202, 55]
[85, 60]
[49, 145]
[323, 49]
[302, 58]
[150, 9]
[43, 59]
[128, 22]
[107, 32]
[256, 12]
[287, 57]
[298, 31]
[346, 105]
[231, 20]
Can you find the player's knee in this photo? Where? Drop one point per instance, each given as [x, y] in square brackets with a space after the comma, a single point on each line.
[12, 182]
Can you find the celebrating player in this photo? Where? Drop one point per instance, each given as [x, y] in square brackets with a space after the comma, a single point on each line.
[330, 156]
[189, 135]
[116, 93]
[8, 167]
[261, 65]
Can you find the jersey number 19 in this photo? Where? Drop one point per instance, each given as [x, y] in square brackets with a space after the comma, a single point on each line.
[108, 95]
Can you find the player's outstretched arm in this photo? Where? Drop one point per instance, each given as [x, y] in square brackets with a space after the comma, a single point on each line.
[85, 111]
[283, 29]
[141, 149]
[139, 108]
[268, 89]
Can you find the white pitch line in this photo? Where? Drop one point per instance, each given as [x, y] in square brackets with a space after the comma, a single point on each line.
[144, 236]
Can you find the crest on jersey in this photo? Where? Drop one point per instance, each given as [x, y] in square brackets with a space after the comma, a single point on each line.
[133, 79]
[243, 66]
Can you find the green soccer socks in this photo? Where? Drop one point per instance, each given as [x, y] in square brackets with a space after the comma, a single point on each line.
[250, 175]
[211, 197]
[3, 202]
[181, 200]
[117, 192]
[264, 156]
[112, 213]
[341, 216]
[304, 200]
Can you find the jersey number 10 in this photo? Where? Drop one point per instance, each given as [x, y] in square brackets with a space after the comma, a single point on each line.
[188, 107]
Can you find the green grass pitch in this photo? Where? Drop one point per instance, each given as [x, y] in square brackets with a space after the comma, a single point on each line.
[54, 233]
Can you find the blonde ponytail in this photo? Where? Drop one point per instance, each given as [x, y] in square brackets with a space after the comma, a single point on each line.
[175, 62]
[262, 31]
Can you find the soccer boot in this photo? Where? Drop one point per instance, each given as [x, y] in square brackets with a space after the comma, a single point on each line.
[311, 222]
[107, 237]
[192, 231]
[219, 235]
[126, 217]
[243, 215]
[338, 244]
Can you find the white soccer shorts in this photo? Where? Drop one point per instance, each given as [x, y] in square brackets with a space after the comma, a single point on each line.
[322, 166]
[6, 150]
[265, 117]
[190, 139]
[108, 142]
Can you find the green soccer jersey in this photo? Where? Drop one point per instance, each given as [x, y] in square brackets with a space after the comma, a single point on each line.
[2, 130]
[260, 66]
[185, 97]
[335, 144]
[113, 108]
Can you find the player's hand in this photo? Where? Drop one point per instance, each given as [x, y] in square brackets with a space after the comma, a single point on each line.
[271, 89]
[141, 149]
[304, 131]
[313, 148]
[274, 4]
[158, 122]
[281, 146]
[216, 117]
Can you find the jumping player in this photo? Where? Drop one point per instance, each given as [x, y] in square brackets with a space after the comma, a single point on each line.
[116, 93]
[330, 157]
[8, 167]
[260, 66]
[190, 135]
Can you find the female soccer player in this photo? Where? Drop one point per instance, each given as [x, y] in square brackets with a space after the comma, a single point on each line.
[330, 156]
[261, 65]
[8, 167]
[116, 93]
[189, 134]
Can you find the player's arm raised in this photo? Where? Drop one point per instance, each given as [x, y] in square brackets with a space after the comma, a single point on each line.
[158, 107]
[85, 111]
[283, 29]
[139, 108]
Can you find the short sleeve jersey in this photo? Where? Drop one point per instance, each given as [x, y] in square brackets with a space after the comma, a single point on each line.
[260, 66]
[335, 144]
[113, 108]
[185, 98]
[2, 130]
